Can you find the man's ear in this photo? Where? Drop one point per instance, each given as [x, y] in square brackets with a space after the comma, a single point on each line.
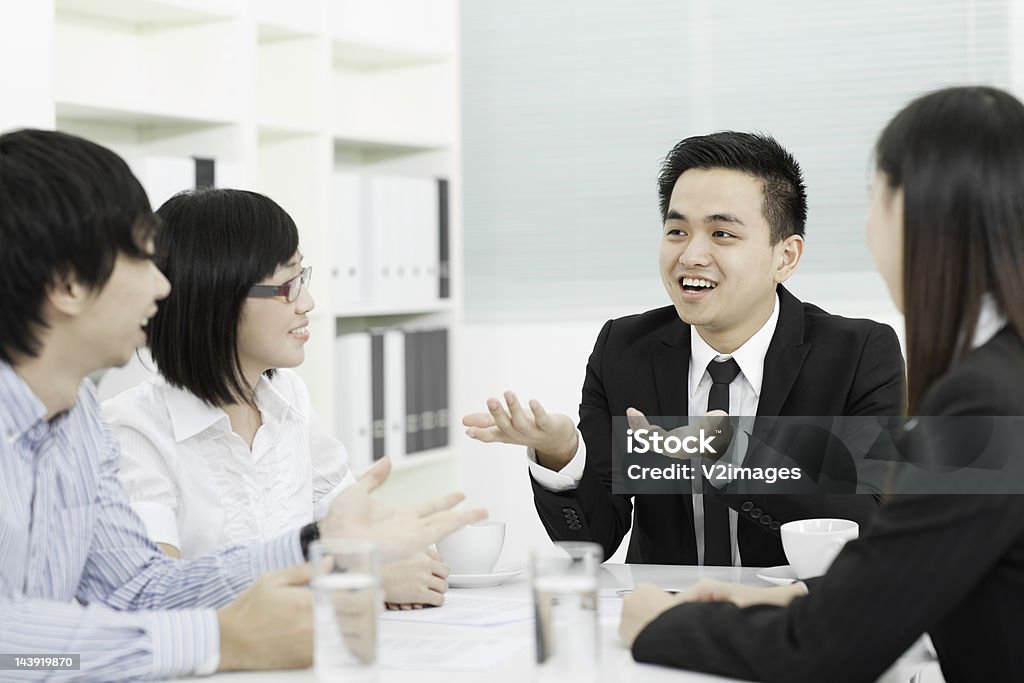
[788, 253]
[68, 296]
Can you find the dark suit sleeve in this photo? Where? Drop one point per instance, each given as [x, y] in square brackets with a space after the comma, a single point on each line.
[590, 512]
[877, 390]
[880, 595]
[914, 565]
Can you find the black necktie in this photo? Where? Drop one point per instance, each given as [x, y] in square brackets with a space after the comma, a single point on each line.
[717, 540]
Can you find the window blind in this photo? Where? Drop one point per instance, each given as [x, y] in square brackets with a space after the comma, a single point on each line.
[568, 108]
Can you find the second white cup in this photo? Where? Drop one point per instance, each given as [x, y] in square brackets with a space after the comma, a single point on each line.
[812, 544]
[473, 549]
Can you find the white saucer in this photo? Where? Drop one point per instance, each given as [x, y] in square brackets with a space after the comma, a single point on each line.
[782, 575]
[484, 580]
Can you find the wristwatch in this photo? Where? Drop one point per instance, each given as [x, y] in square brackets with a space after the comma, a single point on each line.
[308, 534]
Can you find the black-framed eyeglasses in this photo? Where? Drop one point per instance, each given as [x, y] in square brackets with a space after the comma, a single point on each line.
[289, 290]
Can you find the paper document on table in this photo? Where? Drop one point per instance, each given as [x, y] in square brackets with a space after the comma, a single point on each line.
[462, 610]
[447, 654]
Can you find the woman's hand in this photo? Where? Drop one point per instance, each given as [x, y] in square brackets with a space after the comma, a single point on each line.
[419, 581]
[713, 590]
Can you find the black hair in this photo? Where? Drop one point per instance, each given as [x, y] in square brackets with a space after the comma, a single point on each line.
[958, 154]
[784, 203]
[67, 208]
[214, 245]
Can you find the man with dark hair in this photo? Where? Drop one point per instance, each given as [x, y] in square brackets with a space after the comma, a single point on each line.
[733, 209]
[77, 285]
[784, 201]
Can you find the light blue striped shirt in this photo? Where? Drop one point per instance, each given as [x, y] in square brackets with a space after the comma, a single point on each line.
[67, 531]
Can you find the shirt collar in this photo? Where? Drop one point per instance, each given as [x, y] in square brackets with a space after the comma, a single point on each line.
[190, 415]
[749, 356]
[20, 408]
[990, 321]
[271, 401]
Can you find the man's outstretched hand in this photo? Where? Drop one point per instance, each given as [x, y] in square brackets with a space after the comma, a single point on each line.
[552, 436]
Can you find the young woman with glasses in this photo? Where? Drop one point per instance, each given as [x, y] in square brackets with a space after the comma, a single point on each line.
[225, 446]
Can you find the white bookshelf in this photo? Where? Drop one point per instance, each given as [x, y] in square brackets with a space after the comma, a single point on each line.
[285, 94]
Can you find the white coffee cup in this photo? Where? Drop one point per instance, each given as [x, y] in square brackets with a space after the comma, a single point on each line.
[812, 544]
[473, 549]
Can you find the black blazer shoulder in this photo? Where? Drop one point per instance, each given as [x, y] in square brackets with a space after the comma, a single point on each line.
[822, 326]
[988, 380]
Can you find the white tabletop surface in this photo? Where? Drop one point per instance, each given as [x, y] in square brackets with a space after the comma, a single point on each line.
[616, 661]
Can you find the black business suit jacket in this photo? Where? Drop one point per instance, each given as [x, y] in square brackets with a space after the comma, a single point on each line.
[949, 565]
[816, 364]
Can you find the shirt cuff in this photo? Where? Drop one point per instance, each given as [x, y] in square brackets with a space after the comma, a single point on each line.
[734, 455]
[184, 642]
[565, 479]
[160, 520]
[282, 552]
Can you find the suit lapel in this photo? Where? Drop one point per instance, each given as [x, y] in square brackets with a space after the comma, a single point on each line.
[785, 356]
[670, 363]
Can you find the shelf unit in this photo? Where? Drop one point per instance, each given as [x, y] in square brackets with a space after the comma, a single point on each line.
[286, 95]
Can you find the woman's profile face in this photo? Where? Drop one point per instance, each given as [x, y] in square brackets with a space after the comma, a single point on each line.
[884, 233]
[272, 332]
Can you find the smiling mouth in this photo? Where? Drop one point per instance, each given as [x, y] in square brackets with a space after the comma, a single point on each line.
[696, 285]
[300, 331]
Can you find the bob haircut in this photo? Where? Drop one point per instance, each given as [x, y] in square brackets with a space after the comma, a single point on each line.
[68, 207]
[214, 245]
[958, 154]
[784, 199]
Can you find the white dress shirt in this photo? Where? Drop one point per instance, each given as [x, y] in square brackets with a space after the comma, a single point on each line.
[744, 394]
[198, 486]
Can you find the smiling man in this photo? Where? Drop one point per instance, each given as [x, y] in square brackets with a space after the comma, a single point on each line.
[733, 210]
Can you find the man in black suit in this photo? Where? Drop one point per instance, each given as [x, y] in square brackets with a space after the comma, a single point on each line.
[950, 565]
[735, 340]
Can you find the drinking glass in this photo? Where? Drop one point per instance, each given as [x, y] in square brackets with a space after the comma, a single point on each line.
[567, 629]
[347, 602]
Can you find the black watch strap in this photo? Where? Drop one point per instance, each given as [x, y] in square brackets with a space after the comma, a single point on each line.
[308, 534]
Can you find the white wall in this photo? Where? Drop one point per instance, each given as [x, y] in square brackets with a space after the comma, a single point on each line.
[545, 361]
[26, 45]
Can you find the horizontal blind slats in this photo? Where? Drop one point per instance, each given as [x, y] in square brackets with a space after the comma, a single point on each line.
[569, 107]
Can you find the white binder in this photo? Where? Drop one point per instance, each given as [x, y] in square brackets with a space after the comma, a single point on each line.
[349, 261]
[354, 396]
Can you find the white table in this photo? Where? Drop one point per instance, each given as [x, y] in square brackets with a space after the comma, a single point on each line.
[616, 661]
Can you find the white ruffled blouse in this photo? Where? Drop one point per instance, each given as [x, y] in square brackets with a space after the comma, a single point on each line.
[196, 484]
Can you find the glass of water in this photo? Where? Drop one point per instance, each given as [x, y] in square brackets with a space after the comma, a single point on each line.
[567, 630]
[347, 601]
